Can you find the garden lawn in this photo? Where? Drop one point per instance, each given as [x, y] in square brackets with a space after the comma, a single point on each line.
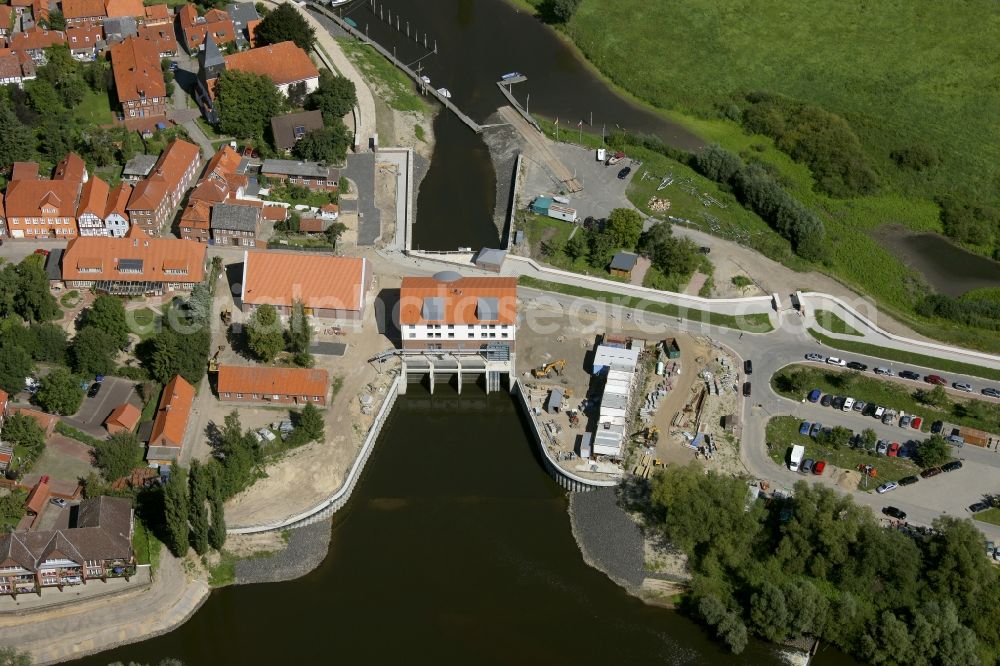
[973, 413]
[991, 516]
[146, 546]
[94, 109]
[833, 323]
[315, 198]
[145, 321]
[783, 433]
[398, 90]
[901, 356]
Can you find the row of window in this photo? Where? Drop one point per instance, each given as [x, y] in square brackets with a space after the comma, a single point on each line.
[275, 396]
[29, 221]
[481, 326]
[470, 335]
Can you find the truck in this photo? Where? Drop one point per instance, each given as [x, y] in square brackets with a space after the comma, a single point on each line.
[798, 452]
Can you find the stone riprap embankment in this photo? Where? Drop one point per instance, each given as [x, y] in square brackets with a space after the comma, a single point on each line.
[307, 546]
[609, 539]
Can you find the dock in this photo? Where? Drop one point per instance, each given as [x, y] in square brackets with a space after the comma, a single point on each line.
[515, 104]
[423, 87]
[540, 153]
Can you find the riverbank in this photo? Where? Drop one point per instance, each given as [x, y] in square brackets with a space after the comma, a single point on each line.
[302, 551]
[505, 144]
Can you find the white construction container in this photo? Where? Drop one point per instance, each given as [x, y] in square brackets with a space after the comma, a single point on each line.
[564, 213]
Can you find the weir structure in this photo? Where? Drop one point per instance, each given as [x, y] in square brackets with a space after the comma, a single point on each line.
[495, 365]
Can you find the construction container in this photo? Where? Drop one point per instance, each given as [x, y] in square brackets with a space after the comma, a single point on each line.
[560, 212]
[540, 205]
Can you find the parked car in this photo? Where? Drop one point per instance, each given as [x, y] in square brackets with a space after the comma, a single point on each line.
[848, 404]
[957, 440]
[814, 430]
[833, 360]
[859, 405]
[937, 380]
[936, 427]
[748, 367]
[267, 434]
[59, 502]
[814, 395]
[815, 357]
[855, 365]
[930, 471]
[42, 252]
[962, 386]
[804, 428]
[827, 399]
[916, 422]
[908, 480]
[893, 450]
[819, 467]
[952, 466]
[878, 370]
[904, 421]
[879, 412]
[909, 374]
[893, 512]
[978, 506]
[991, 392]
[746, 389]
[807, 466]
[705, 250]
[881, 447]
[888, 417]
[623, 174]
[94, 389]
[886, 487]
[838, 402]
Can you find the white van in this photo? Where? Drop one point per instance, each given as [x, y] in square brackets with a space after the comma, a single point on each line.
[882, 371]
[848, 404]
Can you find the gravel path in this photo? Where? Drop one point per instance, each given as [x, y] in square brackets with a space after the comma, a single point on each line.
[609, 539]
[306, 550]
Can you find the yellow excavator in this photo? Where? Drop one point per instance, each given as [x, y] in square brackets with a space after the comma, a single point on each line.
[546, 370]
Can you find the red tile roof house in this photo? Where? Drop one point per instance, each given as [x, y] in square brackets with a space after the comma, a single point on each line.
[83, 12]
[34, 42]
[124, 418]
[171, 422]
[93, 204]
[98, 547]
[37, 208]
[155, 197]
[161, 36]
[116, 214]
[139, 83]
[194, 28]
[6, 18]
[133, 266]
[122, 8]
[298, 386]
[15, 68]
[157, 15]
[220, 183]
[46, 421]
[329, 287]
[84, 41]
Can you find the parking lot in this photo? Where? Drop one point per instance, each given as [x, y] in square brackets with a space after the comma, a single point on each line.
[92, 413]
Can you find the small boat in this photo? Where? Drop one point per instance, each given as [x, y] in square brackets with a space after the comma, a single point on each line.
[511, 75]
[426, 80]
[350, 22]
[444, 92]
[616, 158]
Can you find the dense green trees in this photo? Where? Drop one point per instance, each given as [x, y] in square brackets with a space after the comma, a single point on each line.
[93, 352]
[24, 291]
[671, 255]
[247, 102]
[558, 11]
[311, 423]
[60, 392]
[284, 23]
[181, 347]
[118, 456]
[264, 335]
[335, 97]
[328, 144]
[200, 483]
[239, 455]
[108, 314]
[217, 529]
[299, 335]
[22, 430]
[16, 143]
[822, 566]
[932, 451]
[175, 511]
[15, 366]
[624, 226]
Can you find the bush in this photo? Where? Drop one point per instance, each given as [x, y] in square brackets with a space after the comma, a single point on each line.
[916, 157]
[558, 11]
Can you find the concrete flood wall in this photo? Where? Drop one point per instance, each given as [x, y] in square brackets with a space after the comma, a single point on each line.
[564, 478]
[338, 499]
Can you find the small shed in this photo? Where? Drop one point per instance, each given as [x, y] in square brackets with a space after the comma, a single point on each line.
[623, 263]
[124, 418]
[53, 266]
[671, 348]
[490, 259]
[586, 444]
[554, 404]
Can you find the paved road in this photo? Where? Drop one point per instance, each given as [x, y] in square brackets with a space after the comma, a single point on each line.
[361, 170]
[114, 391]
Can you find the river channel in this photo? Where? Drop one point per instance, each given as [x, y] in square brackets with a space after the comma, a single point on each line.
[455, 549]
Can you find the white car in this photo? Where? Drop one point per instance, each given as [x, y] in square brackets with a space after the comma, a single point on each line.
[815, 357]
[833, 360]
[886, 487]
[848, 404]
[267, 434]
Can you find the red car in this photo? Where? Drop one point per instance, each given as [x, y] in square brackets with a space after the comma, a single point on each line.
[893, 450]
[819, 467]
[916, 423]
[937, 380]
[42, 252]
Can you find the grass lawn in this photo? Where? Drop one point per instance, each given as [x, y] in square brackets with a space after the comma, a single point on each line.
[144, 320]
[147, 547]
[149, 409]
[991, 516]
[314, 198]
[396, 88]
[223, 573]
[833, 323]
[783, 433]
[890, 354]
[752, 323]
[95, 109]
[300, 241]
[70, 299]
[973, 413]
[720, 51]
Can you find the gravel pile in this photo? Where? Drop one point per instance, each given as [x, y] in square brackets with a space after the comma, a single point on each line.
[609, 539]
[306, 549]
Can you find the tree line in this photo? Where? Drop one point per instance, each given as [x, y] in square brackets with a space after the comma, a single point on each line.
[819, 565]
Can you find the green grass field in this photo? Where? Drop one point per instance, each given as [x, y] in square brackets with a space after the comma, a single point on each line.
[95, 109]
[833, 323]
[398, 90]
[918, 87]
[991, 516]
[783, 432]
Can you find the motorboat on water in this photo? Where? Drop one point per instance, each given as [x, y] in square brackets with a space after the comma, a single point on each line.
[444, 92]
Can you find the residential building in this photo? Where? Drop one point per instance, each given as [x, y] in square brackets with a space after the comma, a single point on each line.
[313, 175]
[85, 41]
[171, 421]
[3, 218]
[124, 418]
[291, 127]
[235, 224]
[37, 208]
[93, 205]
[138, 168]
[116, 214]
[33, 42]
[245, 18]
[299, 386]
[161, 35]
[20, 5]
[155, 197]
[196, 221]
[6, 20]
[329, 287]
[139, 82]
[157, 15]
[220, 183]
[97, 547]
[122, 8]
[71, 168]
[40, 12]
[449, 311]
[194, 29]
[133, 266]
[16, 67]
[119, 29]
[83, 12]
